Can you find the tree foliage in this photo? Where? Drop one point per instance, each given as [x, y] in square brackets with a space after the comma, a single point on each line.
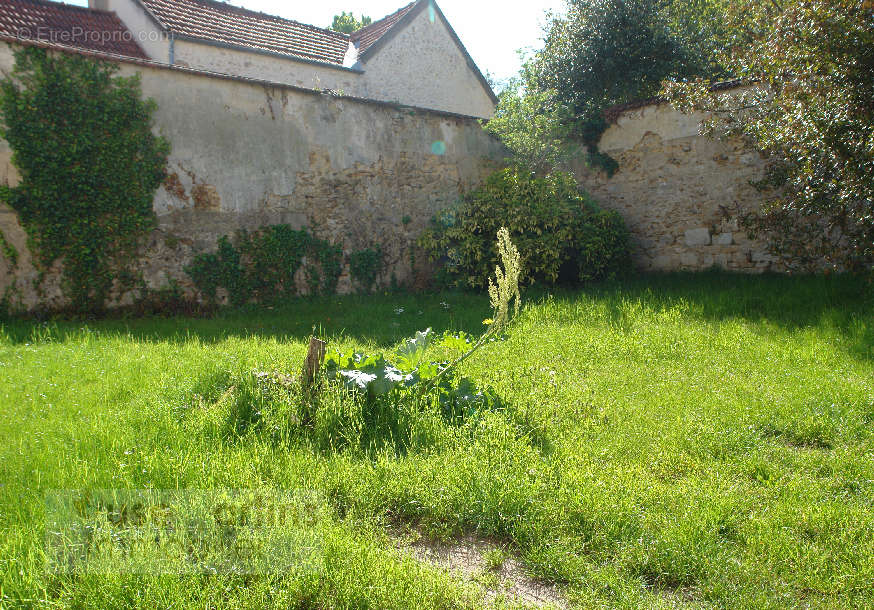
[82, 142]
[532, 124]
[812, 112]
[606, 52]
[599, 54]
[347, 23]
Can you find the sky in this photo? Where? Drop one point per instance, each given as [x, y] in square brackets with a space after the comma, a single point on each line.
[491, 30]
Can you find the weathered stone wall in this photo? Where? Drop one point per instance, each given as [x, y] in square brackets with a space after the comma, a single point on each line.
[246, 154]
[679, 192]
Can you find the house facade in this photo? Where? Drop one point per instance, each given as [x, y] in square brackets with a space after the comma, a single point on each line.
[411, 57]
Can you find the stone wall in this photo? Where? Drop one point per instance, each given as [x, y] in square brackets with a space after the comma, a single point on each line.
[246, 154]
[679, 191]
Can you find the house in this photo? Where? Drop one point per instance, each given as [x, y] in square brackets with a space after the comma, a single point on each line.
[412, 57]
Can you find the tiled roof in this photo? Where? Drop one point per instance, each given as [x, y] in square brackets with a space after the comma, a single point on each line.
[232, 25]
[72, 26]
[369, 35]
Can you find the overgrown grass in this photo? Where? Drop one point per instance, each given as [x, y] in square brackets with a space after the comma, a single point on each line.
[673, 441]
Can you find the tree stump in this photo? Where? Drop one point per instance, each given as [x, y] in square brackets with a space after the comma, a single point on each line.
[313, 362]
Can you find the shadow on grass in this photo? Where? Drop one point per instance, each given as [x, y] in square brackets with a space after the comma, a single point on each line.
[839, 304]
[842, 304]
[378, 319]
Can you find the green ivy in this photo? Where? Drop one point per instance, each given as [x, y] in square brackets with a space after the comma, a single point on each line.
[364, 265]
[221, 269]
[274, 254]
[6, 308]
[8, 250]
[261, 265]
[561, 234]
[325, 264]
[82, 141]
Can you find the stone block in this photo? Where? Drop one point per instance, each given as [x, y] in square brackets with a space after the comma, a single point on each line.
[664, 262]
[689, 260]
[723, 239]
[761, 257]
[698, 237]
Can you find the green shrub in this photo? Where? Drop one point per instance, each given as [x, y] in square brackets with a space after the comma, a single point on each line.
[561, 234]
[261, 265]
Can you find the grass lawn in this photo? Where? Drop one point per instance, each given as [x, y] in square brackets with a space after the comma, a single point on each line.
[676, 441]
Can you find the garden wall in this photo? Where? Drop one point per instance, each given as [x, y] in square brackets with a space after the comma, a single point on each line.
[680, 192]
[249, 153]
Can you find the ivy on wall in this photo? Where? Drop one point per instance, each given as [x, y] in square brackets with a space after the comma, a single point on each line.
[8, 251]
[364, 266]
[82, 141]
[261, 265]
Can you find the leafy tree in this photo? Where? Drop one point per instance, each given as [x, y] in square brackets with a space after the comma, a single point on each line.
[601, 53]
[811, 111]
[606, 52]
[347, 23]
[82, 141]
[532, 124]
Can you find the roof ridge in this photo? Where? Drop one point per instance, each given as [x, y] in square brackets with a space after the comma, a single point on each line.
[223, 23]
[242, 9]
[86, 9]
[379, 22]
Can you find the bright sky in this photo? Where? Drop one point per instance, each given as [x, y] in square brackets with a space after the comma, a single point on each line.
[492, 30]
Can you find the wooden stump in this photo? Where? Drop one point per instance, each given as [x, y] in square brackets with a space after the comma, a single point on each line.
[313, 362]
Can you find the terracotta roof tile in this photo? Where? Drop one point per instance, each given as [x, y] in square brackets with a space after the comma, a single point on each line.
[232, 25]
[67, 25]
[369, 35]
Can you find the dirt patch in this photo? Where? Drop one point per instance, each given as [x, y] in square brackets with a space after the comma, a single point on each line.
[486, 564]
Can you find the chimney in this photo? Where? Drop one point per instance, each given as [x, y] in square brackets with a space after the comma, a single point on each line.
[100, 5]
